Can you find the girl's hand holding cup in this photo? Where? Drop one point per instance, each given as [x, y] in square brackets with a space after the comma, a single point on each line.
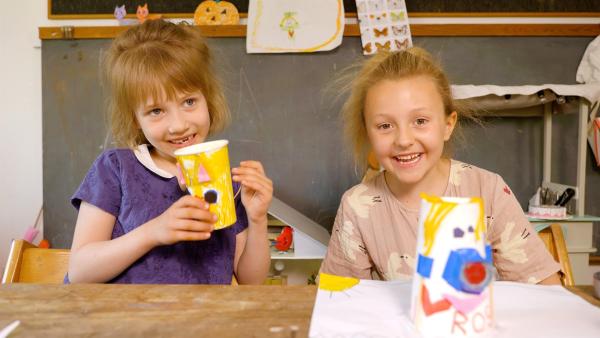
[188, 219]
[257, 189]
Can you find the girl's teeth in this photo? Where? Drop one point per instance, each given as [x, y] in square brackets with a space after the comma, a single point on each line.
[409, 158]
[182, 141]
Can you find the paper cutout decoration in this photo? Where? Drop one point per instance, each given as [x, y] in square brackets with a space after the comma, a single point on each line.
[452, 292]
[205, 168]
[143, 14]
[383, 25]
[291, 26]
[120, 14]
[216, 13]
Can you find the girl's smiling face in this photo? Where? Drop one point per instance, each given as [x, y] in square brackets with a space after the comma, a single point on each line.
[407, 127]
[173, 124]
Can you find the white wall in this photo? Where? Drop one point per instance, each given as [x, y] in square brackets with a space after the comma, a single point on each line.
[20, 121]
[21, 115]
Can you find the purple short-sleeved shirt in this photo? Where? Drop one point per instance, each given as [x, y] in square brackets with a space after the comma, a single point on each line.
[135, 193]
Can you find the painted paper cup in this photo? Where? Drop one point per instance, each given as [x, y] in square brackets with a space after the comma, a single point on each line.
[452, 288]
[205, 168]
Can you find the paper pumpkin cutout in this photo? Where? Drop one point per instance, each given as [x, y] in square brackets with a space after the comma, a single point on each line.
[216, 13]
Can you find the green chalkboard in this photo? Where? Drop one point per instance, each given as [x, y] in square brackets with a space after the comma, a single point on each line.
[61, 8]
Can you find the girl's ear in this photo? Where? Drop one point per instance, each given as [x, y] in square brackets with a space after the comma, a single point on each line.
[450, 124]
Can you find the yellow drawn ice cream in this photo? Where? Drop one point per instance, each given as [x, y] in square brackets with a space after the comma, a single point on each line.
[205, 168]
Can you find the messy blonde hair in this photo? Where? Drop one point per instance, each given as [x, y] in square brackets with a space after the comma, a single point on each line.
[414, 61]
[154, 59]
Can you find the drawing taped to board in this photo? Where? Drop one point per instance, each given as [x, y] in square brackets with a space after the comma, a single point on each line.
[287, 26]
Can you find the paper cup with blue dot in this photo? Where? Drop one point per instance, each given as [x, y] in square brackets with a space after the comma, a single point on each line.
[205, 168]
[452, 288]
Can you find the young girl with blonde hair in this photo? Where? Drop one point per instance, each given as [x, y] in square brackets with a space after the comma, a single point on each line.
[401, 110]
[135, 223]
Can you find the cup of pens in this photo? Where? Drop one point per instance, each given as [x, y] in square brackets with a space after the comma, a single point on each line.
[205, 168]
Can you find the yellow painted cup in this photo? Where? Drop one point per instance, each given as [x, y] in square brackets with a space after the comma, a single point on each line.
[205, 168]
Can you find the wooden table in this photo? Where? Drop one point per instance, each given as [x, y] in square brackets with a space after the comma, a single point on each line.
[156, 310]
[164, 310]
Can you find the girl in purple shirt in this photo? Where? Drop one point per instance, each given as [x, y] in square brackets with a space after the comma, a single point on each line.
[135, 223]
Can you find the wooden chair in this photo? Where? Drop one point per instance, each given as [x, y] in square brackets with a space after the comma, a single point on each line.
[29, 264]
[554, 240]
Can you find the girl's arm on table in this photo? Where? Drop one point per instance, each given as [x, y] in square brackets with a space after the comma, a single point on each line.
[96, 258]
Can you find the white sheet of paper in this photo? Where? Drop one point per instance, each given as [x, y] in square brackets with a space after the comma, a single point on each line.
[292, 26]
[381, 309]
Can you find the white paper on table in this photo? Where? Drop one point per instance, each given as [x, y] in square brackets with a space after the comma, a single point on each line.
[369, 309]
[292, 26]
[381, 309]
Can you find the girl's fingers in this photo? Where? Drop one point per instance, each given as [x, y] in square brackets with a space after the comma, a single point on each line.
[194, 226]
[242, 173]
[195, 214]
[258, 186]
[192, 236]
[189, 201]
[255, 178]
[251, 165]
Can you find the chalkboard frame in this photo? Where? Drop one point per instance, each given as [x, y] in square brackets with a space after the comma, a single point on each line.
[55, 15]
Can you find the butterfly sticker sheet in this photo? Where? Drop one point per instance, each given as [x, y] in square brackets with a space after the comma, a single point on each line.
[383, 25]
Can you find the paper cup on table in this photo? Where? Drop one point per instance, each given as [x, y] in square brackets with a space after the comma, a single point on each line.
[205, 168]
[452, 290]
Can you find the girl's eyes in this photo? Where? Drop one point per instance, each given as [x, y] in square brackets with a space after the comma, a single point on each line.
[421, 121]
[155, 112]
[189, 102]
[384, 126]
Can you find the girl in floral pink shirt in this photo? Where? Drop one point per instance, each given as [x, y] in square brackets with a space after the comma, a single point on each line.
[401, 109]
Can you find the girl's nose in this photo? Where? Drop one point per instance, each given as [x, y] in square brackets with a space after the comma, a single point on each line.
[178, 124]
[404, 137]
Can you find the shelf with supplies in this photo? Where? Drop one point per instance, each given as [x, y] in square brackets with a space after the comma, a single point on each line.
[460, 29]
[577, 226]
[298, 245]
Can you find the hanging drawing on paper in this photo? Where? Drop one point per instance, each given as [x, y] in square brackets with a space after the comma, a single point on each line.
[289, 23]
[289, 26]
